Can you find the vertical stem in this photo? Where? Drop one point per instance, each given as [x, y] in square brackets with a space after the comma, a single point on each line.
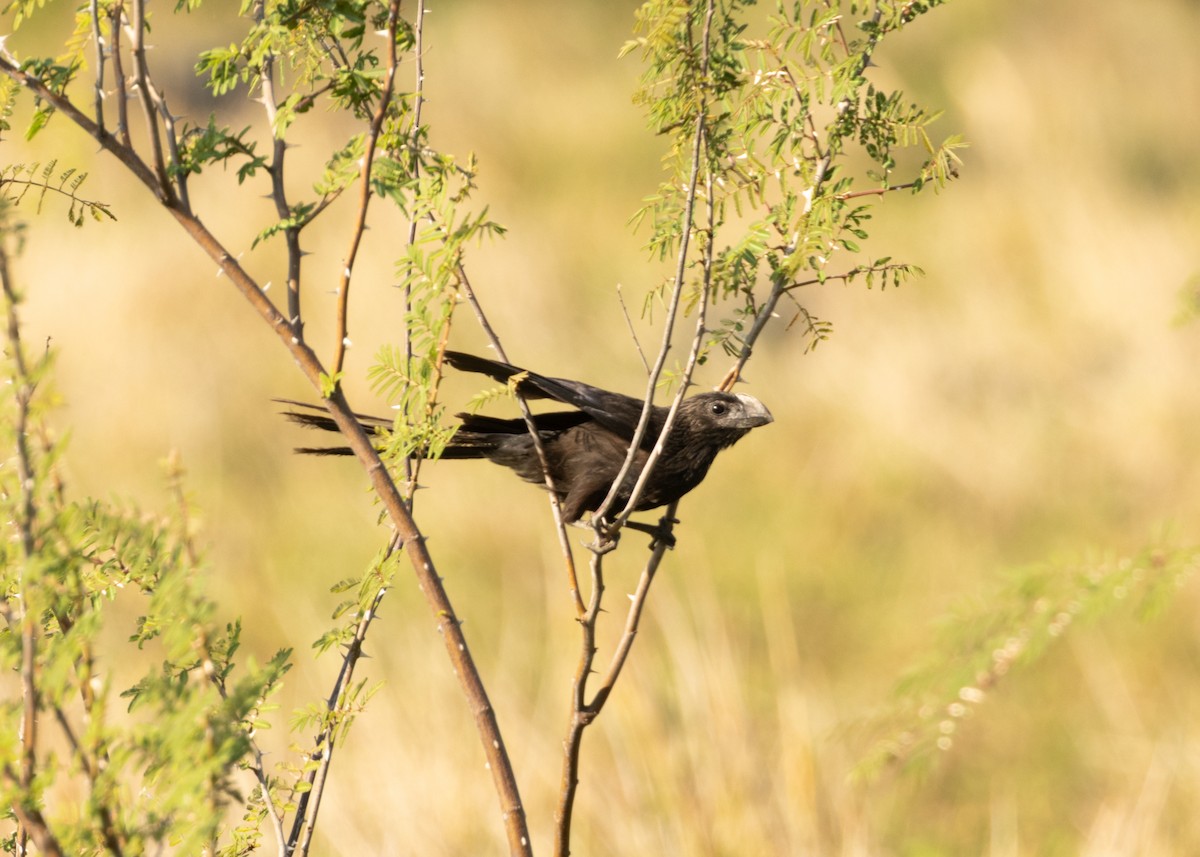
[141, 75]
[168, 122]
[291, 233]
[583, 712]
[412, 468]
[115, 27]
[360, 222]
[98, 39]
[305, 821]
[555, 507]
[25, 524]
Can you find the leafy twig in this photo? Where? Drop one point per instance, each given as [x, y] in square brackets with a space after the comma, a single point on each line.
[41, 177]
[304, 823]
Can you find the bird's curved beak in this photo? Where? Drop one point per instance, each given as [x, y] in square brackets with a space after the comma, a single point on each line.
[755, 412]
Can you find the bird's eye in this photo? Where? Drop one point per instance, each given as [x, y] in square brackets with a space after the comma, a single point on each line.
[718, 408]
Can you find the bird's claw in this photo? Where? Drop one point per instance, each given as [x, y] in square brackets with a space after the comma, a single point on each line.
[607, 535]
[660, 532]
[603, 545]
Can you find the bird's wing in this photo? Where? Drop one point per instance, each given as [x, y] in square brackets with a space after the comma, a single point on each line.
[553, 422]
[616, 412]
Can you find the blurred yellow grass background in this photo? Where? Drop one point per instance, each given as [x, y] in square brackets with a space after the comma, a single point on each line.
[1031, 397]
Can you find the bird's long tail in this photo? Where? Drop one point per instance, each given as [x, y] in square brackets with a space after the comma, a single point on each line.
[465, 443]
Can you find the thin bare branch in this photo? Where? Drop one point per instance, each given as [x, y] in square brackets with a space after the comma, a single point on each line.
[632, 332]
[168, 123]
[291, 233]
[564, 540]
[141, 76]
[360, 218]
[115, 27]
[98, 42]
[637, 603]
[876, 191]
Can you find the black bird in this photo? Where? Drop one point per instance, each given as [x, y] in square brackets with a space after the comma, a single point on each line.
[585, 448]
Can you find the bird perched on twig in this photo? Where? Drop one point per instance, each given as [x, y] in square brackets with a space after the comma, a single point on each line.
[586, 447]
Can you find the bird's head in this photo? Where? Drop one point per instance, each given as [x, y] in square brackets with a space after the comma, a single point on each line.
[733, 413]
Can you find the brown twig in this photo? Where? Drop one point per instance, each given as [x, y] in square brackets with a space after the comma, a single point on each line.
[291, 232]
[875, 191]
[33, 822]
[564, 541]
[25, 523]
[98, 42]
[632, 332]
[342, 340]
[115, 26]
[584, 712]
[168, 123]
[141, 75]
[637, 603]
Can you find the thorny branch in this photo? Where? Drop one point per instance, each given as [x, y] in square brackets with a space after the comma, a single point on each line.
[115, 27]
[360, 217]
[564, 540]
[275, 169]
[141, 74]
[583, 711]
[412, 468]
